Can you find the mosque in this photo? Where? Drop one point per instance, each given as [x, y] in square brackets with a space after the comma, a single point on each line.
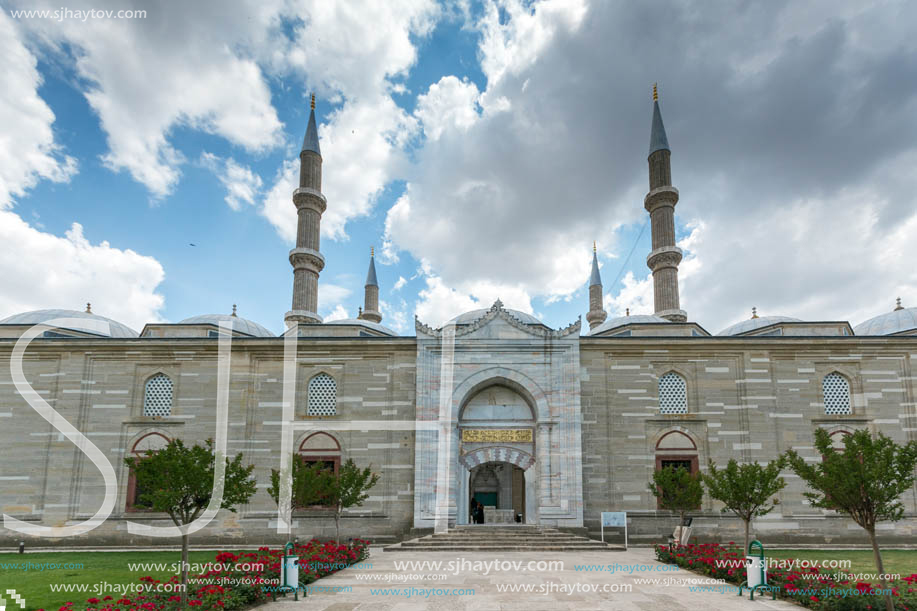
[554, 426]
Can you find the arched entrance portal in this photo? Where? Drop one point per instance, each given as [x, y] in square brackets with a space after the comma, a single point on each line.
[499, 477]
[500, 488]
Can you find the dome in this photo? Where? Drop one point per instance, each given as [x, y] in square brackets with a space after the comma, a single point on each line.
[96, 325]
[363, 323]
[469, 317]
[897, 321]
[755, 323]
[239, 324]
[620, 321]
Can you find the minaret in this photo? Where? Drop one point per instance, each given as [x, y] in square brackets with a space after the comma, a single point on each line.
[371, 298]
[660, 203]
[596, 314]
[306, 259]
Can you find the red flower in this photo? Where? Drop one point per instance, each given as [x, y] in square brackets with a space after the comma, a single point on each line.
[93, 601]
[195, 603]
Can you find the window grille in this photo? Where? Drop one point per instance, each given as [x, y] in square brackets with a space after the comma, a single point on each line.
[157, 401]
[672, 394]
[837, 394]
[322, 396]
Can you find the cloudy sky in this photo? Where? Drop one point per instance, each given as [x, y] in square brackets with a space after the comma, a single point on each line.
[147, 164]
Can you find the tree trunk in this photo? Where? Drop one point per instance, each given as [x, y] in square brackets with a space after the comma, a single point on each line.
[889, 604]
[747, 524]
[681, 527]
[337, 527]
[184, 570]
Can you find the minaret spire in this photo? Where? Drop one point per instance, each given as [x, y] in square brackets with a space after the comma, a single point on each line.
[596, 314]
[306, 259]
[660, 202]
[371, 296]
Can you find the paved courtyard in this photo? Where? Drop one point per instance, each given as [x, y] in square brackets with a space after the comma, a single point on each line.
[384, 586]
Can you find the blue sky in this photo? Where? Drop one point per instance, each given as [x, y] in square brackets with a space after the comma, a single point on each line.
[480, 147]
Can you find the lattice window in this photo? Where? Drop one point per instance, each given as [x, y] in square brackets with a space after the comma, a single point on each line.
[837, 394]
[673, 395]
[157, 400]
[323, 394]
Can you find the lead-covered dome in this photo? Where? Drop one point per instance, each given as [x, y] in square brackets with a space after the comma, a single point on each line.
[758, 322]
[95, 324]
[469, 317]
[620, 321]
[898, 321]
[239, 324]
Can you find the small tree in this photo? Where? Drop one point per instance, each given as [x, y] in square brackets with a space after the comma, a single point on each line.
[348, 489]
[745, 489]
[178, 480]
[310, 486]
[677, 490]
[864, 481]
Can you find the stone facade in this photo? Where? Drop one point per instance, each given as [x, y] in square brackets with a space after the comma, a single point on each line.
[590, 403]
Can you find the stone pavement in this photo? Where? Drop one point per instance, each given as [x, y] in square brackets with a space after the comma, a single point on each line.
[488, 597]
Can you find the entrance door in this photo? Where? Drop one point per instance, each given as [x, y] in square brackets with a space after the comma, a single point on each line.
[486, 498]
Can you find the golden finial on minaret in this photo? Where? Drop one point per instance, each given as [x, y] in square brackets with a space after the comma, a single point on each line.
[593, 245]
[313, 101]
[372, 251]
[655, 93]
[754, 312]
[89, 307]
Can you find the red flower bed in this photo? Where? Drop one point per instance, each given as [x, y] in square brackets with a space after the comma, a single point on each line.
[806, 586]
[236, 581]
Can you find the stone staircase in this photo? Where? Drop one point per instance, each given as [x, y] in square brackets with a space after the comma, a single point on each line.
[501, 538]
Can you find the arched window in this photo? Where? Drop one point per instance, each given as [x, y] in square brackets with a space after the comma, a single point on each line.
[323, 396]
[152, 442]
[321, 448]
[675, 449]
[673, 395]
[836, 390]
[157, 397]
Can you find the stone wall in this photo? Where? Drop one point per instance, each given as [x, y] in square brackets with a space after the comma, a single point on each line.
[98, 386]
[748, 399]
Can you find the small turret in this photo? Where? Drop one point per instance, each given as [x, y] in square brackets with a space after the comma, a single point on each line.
[370, 310]
[596, 314]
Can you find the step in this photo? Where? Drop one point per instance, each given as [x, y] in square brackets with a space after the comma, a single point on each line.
[400, 547]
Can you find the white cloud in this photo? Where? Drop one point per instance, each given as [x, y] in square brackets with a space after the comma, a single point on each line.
[395, 317]
[363, 139]
[799, 202]
[399, 284]
[28, 152]
[41, 270]
[242, 185]
[187, 66]
[447, 105]
[438, 302]
[338, 313]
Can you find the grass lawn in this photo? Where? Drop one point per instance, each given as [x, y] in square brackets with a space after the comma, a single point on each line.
[899, 561]
[97, 568]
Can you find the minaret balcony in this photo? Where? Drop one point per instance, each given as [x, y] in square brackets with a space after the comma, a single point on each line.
[306, 258]
[307, 197]
[660, 196]
[663, 257]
